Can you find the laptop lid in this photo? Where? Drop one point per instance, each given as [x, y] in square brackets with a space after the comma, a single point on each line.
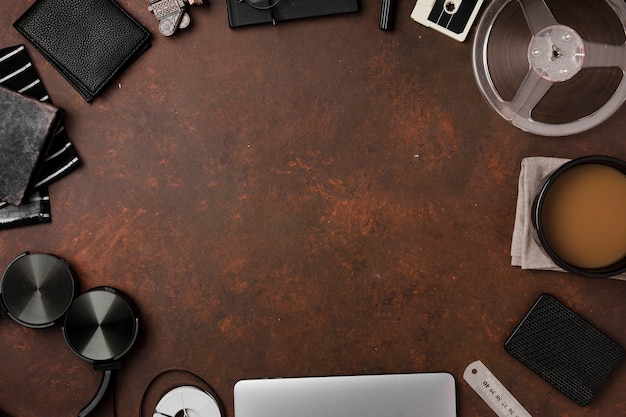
[393, 395]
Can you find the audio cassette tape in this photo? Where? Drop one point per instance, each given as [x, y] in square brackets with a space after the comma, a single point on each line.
[453, 18]
[552, 67]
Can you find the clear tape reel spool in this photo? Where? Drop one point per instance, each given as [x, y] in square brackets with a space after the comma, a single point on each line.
[187, 401]
[553, 68]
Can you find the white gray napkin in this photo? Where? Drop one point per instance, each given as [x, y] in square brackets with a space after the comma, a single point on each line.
[526, 252]
[18, 74]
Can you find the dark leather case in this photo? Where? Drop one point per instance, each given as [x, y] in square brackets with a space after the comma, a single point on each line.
[564, 349]
[88, 41]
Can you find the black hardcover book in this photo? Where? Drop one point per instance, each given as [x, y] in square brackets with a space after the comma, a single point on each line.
[241, 13]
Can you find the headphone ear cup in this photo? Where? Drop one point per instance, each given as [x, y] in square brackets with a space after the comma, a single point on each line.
[37, 289]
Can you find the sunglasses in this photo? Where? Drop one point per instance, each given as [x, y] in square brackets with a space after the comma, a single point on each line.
[263, 5]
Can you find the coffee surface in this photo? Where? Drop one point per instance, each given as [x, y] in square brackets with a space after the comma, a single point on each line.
[584, 216]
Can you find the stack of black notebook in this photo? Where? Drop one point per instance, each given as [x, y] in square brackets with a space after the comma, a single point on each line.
[240, 13]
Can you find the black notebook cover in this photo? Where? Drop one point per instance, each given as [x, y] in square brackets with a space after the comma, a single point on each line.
[88, 41]
[241, 13]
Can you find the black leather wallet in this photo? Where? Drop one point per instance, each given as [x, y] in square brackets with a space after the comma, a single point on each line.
[88, 41]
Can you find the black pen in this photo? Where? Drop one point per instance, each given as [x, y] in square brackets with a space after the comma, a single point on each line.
[386, 14]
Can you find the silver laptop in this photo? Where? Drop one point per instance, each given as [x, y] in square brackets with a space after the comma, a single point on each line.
[394, 395]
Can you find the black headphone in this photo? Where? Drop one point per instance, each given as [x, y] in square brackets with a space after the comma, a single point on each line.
[100, 326]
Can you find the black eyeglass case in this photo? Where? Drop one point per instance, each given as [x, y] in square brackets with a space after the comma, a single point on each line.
[241, 13]
[88, 41]
[564, 349]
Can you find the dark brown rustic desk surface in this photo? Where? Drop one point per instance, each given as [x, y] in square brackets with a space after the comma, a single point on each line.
[316, 198]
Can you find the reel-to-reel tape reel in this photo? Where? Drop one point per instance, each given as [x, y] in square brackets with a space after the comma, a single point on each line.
[188, 401]
[553, 67]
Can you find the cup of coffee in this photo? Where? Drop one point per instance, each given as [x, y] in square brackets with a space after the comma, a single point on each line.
[579, 216]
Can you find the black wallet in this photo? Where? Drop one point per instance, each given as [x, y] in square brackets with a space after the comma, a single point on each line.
[88, 41]
[564, 349]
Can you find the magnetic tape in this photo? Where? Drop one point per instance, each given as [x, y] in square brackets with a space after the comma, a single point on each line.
[553, 67]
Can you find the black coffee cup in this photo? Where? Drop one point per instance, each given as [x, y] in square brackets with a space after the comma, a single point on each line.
[540, 225]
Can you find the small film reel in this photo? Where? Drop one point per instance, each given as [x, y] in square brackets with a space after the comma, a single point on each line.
[187, 401]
